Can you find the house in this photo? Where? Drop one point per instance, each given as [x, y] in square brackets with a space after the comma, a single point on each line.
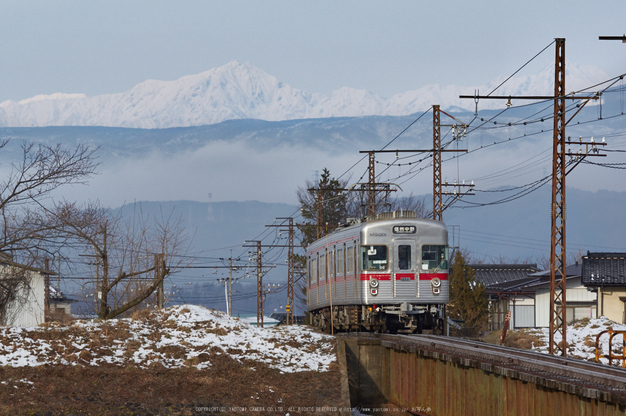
[580, 302]
[504, 284]
[60, 305]
[22, 298]
[605, 274]
[525, 292]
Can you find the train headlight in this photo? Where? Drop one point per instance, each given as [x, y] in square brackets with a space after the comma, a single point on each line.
[374, 283]
[436, 282]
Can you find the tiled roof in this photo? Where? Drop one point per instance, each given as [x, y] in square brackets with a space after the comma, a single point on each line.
[500, 274]
[604, 269]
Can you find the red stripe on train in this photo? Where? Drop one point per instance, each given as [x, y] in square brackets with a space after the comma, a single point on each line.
[375, 276]
[431, 276]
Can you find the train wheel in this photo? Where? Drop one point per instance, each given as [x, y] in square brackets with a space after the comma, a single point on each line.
[420, 324]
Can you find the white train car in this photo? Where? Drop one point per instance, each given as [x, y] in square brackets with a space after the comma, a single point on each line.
[389, 273]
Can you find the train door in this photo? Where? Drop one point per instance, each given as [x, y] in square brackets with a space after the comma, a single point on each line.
[405, 269]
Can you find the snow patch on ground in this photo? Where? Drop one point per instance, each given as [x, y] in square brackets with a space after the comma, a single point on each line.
[581, 337]
[175, 337]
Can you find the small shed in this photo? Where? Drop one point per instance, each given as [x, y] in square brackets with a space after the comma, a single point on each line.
[22, 294]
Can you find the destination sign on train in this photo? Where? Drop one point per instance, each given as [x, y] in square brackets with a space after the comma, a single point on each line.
[401, 229]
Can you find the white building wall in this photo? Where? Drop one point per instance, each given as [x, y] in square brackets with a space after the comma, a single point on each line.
[576, 292]
[542, 308]
[522, 312]
[523, 316]
[31, 313]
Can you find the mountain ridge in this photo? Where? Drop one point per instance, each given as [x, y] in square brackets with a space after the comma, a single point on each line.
[241, 91]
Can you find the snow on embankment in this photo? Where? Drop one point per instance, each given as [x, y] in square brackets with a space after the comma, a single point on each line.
[175, 337]
[581, 338]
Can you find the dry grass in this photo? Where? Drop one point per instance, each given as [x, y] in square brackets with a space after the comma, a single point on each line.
[111, 390]
[81, 388]
[522, 339]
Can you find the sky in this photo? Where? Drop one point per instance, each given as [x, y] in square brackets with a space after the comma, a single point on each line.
[386, 47]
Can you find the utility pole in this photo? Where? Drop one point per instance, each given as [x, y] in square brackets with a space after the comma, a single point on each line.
[259, 280]
[229, 292]
[46, 282]
[558, 254]
[290, 307]
[159, 272]
[229, 300]
[318, 197]
[259, 285]
[438, 205]
[437, 202]
[372, 187]
[269, 289]
[225, 281]
[228, 282]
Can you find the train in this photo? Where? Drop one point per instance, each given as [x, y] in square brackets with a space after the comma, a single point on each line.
[388, 273]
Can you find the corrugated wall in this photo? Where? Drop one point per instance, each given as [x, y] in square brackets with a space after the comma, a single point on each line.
[439, 388]
[438, 384]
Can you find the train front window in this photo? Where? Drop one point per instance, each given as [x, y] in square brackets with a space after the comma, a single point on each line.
[434, 257]
[374, 257]
[404, 257]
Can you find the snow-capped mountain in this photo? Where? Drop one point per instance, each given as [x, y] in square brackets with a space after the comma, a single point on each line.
[240, 91]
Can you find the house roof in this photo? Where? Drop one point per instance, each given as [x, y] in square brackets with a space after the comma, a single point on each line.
[502, 275]
[531, 286]
[519, 285]
[604, 269]
[7, 260]
[570, 271]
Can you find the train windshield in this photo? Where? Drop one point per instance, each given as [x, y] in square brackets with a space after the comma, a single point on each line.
[374, 257]
[434, 257]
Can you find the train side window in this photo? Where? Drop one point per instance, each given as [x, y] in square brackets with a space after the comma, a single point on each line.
[374, 257]
[322, 266]
[340, 262]
[350, 260]
[331, 263]
[434, 257]
[314, 275]
[404, 257]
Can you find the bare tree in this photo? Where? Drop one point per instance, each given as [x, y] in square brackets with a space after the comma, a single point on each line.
[129, 257]
[410, 203]
[28, 183]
